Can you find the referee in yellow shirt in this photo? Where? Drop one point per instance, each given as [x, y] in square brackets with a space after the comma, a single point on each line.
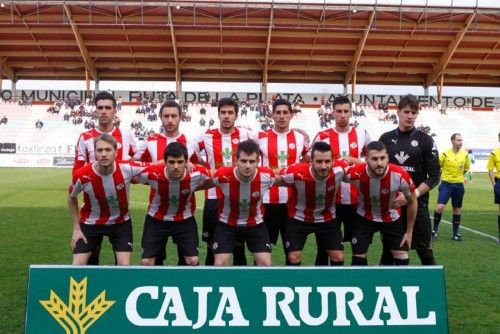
[494, 163]
[454, 164]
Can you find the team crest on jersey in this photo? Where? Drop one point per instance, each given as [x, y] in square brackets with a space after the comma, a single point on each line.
[185, 191]
[119, 145]
[401, 157]
[353, 145]
[291, 146]
[227, 153]
[255, 194]
[354, 241]
[331, 188]
[113, 201]
[320, 199]
[385, 191]
[244, 205]
[120, 186]
[235, 141]
[414, 143]
[282, 157]
[375, 199]
[215, 246]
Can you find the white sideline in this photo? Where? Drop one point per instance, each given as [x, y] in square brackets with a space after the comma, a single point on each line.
[472, 230]
[444, 221]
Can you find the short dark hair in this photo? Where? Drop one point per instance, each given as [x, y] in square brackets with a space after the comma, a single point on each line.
[282, 102]
[455, 135]
[175, 149]
[341, 100]
[248, 146]
[105, 96]
[375, 146]
[408, 101]
[170, 104]
[226, 101]
[106, 137]
[320, 146]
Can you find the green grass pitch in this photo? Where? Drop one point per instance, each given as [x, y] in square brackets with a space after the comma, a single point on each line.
[36, 229]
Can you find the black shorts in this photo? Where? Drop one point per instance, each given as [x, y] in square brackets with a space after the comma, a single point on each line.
[422, 230]
[226, 237]
[210, 220]
[120, 236]
[156, 232]
[448, 190]
[496, 190]
[328, 235]
[346, 215]
[364, 229]
[275, 217]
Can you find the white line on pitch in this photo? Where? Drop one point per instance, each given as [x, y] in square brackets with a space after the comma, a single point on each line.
[472, 230]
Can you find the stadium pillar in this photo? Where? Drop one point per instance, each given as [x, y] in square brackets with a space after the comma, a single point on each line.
[96, 85]
[1, 78]
[87, 83]
[439, 87]
[14, 90]
[426, 91]
[345, 89]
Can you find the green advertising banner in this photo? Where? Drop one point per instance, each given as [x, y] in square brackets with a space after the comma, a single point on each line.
[67, 299]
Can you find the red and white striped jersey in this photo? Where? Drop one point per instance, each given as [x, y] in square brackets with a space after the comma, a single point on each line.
[353, 144]
[280, 150]
[84, 150]
[172, 200]
[220, 150]
[152, 149]
[376, 195]
[312, 201]
[105, 197]
[241, 204]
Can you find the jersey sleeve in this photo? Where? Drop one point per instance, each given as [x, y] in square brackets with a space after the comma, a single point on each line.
[442, 158]
[133, 144]
[491, 162]
[407, 187]
[81, 153]
[431, 162]
[368, 140]
[142, 153]
[75, 187]
[467, 163]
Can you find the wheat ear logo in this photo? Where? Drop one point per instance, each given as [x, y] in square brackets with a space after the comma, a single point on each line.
[77, 316]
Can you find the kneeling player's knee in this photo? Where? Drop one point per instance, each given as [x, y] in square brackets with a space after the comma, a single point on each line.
[294, 257]
[426, 256]
[336, 256]
[191, 260]
[148, 262]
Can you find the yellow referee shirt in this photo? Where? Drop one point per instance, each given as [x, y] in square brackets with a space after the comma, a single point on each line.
[454, 165]
[494, 162]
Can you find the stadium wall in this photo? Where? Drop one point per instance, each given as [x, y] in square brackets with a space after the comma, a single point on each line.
[479, 102]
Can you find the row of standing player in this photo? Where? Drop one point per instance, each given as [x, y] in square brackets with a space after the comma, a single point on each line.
[280, 148]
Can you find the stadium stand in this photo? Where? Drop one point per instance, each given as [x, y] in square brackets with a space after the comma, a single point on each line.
[476, 127]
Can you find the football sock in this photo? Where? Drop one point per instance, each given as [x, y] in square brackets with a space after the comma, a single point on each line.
[426, 257]
[294, 264]
[456, 224]
[437, 220]
[336, 263]
[402, 262]
[359, 261]
[321, 258]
